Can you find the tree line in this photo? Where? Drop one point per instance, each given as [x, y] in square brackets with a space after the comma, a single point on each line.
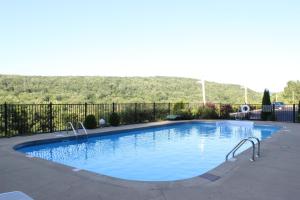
[97, 89]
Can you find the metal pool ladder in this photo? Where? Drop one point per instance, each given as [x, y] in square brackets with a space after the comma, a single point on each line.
[243, 141]
[82, 126]
[76, 132]
[71, 125]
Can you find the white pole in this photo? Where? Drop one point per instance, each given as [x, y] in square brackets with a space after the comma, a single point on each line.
[293, 97]
[203, 91]
[246, 95]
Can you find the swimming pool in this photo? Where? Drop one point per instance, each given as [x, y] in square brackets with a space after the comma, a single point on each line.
[163, 153]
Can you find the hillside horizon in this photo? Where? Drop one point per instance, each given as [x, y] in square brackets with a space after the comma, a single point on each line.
[104, 89]
[106, 76]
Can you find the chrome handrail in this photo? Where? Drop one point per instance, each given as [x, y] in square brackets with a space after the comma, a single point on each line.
[253, 149]
[71, 125]
[258, 145]
[234, 149]
[80, 123]
[238, 146]
[243, 141]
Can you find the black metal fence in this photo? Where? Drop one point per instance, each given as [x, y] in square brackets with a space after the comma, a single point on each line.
[24, 119]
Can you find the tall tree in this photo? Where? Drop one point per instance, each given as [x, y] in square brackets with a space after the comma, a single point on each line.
[291, 92]
[266, 113]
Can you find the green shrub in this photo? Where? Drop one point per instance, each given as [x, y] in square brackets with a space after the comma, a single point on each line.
[161, 113]
[145, 115]
[180, 109]
[42, 121]
[299, 111]
[20, 123]
[90, 122]
[266, 112]
[70, 117]
[128, 117]
[225, 111]
[185, 114]
[114, 119]
[208, 111]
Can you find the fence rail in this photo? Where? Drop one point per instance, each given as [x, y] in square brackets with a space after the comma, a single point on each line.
[24, 119]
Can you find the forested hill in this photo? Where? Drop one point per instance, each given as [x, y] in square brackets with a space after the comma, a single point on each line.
[76, 89]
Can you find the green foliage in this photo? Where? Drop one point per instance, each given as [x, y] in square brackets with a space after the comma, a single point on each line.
[208, 111]
[26, 119]
[114, 119]
[161, 111]
[90, 122]
[266, 98]
[292, 87]
[186, 114]
[38, 89]
[145, 115]
[183, 110]
[42, 121]
[266, 113]
[19, 121]
[128, 116]
[178, 107]
[70, 117]
[225, 110]
[299, 111]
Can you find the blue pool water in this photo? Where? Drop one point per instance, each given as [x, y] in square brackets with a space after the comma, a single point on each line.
[169, 152]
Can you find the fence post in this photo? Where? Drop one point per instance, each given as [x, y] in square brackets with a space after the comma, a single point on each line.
[135, 112]
[154, 111]
[85, 110]
[5, 119]
[51, 117]
[220, 106]
[273, 113]
[169, 108]
[294, 113]
[113, 107]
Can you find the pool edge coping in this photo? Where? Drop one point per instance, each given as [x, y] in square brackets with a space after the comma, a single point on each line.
[224, 169]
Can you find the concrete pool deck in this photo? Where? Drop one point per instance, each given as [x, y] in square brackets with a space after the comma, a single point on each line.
[275, 175]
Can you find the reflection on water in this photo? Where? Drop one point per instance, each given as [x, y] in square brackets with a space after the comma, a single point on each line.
[162, 153]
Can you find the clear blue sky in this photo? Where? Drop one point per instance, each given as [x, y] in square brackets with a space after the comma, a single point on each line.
[256, 43]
